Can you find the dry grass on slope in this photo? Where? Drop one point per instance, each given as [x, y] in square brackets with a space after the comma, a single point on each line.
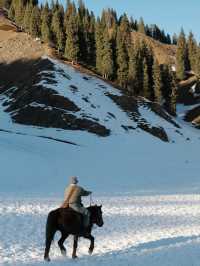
[15, 45]
[164, 53]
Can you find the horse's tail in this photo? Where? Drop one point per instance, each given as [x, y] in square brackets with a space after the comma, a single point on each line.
[51, 228]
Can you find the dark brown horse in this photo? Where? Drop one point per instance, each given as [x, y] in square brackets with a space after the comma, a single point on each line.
[69, 222]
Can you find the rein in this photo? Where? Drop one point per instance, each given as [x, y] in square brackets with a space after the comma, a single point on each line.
[91, 200]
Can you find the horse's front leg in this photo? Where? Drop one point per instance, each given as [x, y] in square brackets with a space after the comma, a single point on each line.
[91, 238]
[75, 245]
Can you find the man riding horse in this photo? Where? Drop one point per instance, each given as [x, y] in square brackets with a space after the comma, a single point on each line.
[67, 220]
[72, 199]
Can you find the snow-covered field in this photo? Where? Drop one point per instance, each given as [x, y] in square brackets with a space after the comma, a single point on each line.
[138, 230]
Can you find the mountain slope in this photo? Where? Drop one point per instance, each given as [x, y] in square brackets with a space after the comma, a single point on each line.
[92, 130]
[56, 121]
[51, 94]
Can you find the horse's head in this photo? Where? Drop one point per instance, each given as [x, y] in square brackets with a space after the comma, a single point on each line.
[96, 215]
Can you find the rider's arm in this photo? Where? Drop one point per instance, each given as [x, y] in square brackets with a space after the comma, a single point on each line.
[85, 192]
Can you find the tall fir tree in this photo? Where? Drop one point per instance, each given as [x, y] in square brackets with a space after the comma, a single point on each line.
[133, 70]
[35, 22]
[107, 58]
[181, 56]
[11, 12]
[57, 30]
[174, 95]
[45, 25]
[19, 12]
[70, 11]
[5, 4]
[125, 30]
[174, 39]
[99, 44]
[122, 60]
[168, 90]
[158, 84]
[192, 51]
[72, 41]
[141, 26]
[27, 17]
[146, 82]
[197, 62]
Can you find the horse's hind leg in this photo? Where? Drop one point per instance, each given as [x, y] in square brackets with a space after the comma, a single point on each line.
[75, 245]
[49, 239]
[60, 243]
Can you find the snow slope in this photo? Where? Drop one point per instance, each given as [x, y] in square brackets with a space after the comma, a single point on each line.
[38, 160]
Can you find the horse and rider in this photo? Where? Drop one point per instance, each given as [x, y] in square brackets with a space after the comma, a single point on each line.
[72, 218]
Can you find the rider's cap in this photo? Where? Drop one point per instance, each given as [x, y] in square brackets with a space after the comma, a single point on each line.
[73, 180]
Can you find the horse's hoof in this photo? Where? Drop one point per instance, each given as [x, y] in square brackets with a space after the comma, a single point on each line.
[63, 252]
[47, 259]
[74, 257]
[90, 251]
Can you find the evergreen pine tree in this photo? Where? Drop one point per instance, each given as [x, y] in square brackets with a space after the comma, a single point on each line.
[35, 22]
[57, 30]
[173, 98]
[125, 30]
[122, 60]
[192, 50]
[45, 25]
[197, 62]
[99, 45]
[141, 26]
[158, 85]
[133, 84]
[146, 83]
[70, 11]
[5, 3]
[181, 56]
[19, 12]
[91, 56]
[174, 39]
[72, 41]
[27, 17]
[107, 58]
[167, 86]
[11, 12]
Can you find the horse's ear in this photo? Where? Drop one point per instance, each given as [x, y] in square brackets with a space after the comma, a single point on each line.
[100, 206]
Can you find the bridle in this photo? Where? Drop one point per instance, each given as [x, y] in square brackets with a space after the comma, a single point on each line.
[95, 219]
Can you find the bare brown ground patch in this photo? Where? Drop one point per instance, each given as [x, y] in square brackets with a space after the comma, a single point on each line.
[16, 45]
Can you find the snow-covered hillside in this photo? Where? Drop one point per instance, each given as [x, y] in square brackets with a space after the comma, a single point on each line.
[112, 143]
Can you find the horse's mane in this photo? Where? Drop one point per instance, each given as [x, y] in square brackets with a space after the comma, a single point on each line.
[92, 207]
